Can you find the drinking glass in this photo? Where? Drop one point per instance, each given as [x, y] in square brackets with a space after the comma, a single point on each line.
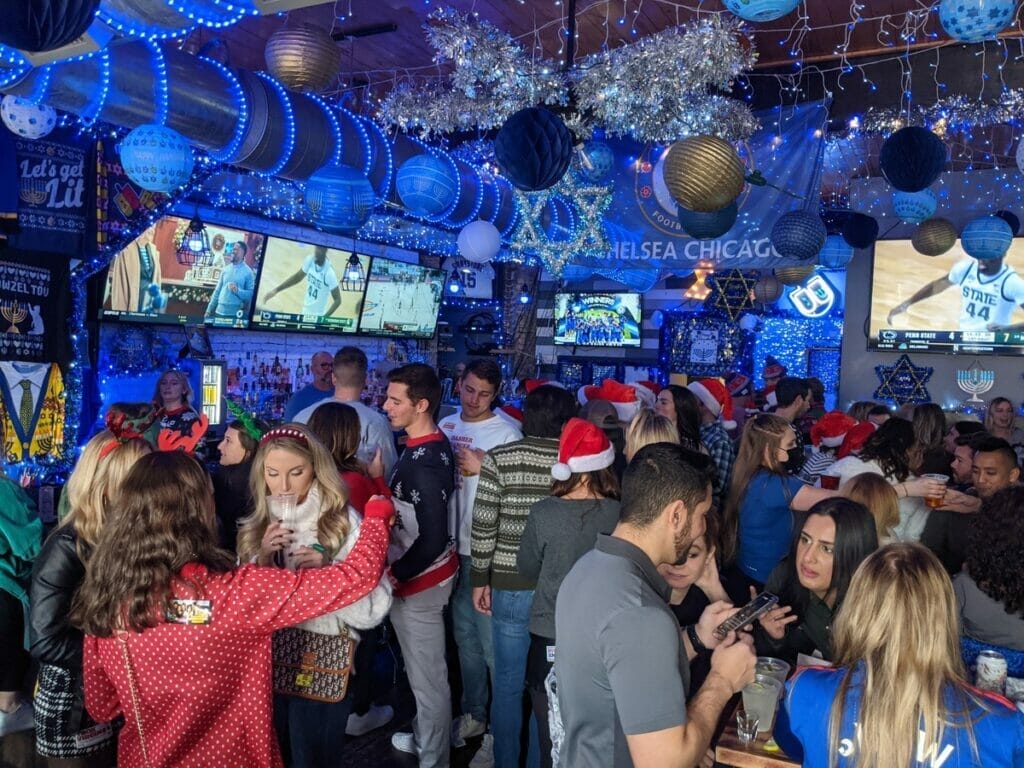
[761, 698]
[777, 668]
[934, 502]
[283, 507]
[746, 727]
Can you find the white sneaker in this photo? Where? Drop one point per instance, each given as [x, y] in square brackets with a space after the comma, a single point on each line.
[20, 719]
[466, 727]
[484, 757]
[376, 717]
[404, 742]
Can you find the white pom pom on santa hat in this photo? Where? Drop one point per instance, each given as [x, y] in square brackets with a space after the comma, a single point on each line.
[583, 447]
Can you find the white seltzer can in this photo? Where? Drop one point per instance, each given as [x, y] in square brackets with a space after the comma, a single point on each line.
[991, 674]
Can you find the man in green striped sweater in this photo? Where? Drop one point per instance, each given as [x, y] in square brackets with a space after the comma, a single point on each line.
[513, 477]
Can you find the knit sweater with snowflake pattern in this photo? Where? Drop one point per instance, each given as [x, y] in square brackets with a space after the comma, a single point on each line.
[513, 477]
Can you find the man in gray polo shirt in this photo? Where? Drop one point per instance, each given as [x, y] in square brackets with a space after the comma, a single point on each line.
[621, 661]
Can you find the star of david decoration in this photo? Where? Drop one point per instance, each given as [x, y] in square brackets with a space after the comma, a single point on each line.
[529, 235]
[903, 382]
[732, 292]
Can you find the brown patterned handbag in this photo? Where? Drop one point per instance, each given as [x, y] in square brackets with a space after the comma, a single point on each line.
[312, 666]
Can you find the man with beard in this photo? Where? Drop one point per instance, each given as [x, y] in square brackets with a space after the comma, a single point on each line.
[622, 663]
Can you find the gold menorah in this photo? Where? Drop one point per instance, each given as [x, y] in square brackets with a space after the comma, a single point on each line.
[33, 191]
[14, 313]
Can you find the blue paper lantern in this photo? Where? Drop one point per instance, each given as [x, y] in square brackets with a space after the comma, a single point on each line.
[340, 198]
[596, 161]
[534, 149]
[157, 158]
[986, 237]
[761, 10]
[799, 235]
[860, 230]
[914, 207]
[427, 185]
[912, 158]
[708, 226]
[971, 21]
[836, 253]
[44, 25]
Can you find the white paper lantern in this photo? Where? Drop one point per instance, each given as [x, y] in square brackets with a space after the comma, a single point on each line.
[479, 241]
[26, 118]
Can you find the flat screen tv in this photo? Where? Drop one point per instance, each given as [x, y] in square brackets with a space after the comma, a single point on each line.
[949, 304]
[309, 288]
[597, 319]
[401, 300]
[146, 282]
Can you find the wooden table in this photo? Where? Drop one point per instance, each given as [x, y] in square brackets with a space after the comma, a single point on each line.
[730, 750]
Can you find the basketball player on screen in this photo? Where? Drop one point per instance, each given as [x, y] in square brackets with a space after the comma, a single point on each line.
[321, 283]
[989, 293]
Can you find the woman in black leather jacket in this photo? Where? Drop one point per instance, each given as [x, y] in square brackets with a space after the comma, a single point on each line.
[63, 729]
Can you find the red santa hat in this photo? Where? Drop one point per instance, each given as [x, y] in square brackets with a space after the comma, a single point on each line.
[654, 386]
[716, 398]
[531, 384]
[830, 430]
[738, 384]
[583, 447]
[626, 398]
[770, 398]
[855, 438]
[773, 369]
[513, 413]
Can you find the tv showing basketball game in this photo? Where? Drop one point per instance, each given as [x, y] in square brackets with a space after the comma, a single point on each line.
[401, 300]
[149, 282]
[951, 303]
[307, 287]
[597, 319]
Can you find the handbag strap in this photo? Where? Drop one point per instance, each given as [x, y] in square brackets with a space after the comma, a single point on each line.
[122, 636]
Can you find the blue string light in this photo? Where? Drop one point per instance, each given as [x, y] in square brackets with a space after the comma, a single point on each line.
[89, 115]
[128, 27]
[477, 202]
[231, 14]
[15, 64]
[41, 85]
[389, 159]
[229, 153]
[364, 139]
[332, 120]
[289, 122]
[161, 90]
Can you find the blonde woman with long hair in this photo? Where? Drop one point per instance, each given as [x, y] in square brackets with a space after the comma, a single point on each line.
[649, 427]
[880, 498]
[92, 490]
[324, 528]
[899, 695]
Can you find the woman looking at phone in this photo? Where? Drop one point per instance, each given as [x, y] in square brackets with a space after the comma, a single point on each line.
[899, 695]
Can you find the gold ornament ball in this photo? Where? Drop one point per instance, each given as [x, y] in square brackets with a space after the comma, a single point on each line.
[933, 237]
[303, 57]
[703, 173]
[793, 275]
[768, 289]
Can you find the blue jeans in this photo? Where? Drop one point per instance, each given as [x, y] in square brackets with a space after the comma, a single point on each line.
[510, 618]
[311, 732]
[472, 631]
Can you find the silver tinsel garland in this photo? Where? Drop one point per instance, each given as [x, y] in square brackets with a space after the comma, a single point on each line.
[956, 114]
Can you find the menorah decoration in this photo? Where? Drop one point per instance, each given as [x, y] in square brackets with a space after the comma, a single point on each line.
[13, 312]
[974, 381]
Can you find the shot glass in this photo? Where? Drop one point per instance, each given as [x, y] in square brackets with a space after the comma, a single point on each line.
[746, 727]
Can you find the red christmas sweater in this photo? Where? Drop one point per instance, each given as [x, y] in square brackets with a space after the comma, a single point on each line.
[202, 693]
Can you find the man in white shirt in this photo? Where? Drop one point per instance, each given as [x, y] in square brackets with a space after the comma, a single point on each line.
[473, 430]
[350, 367]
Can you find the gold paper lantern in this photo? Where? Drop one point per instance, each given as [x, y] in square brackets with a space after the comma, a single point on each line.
[793, 275]
[933, 237]
[303, 57]
[768, 289]
[703, 173]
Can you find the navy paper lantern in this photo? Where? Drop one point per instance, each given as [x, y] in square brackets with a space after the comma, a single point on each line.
[799, 235]
[836, 253]
[340, 198]
[708, 226]
[596, 161]
[43, 25]
[860, 230]
[534, 149]
[1010, 218]
[971, 21]
[914, 207]
[986, 237]
[761, 10]
[427, 185]
[912, 158]
[156, 158]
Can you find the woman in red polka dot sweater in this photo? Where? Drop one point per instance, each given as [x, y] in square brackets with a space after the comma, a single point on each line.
[177, 641]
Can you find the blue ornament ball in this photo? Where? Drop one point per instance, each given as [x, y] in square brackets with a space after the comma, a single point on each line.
[26, 118]
[340, 198]
[914, 207]
[836, 253]
[986, 237]
[157, 158]
[761, 10]
[427, 185]
[971, 21]
[912, 158]
[708, 226]
[596, 161]
[799, 235]
[534, 149]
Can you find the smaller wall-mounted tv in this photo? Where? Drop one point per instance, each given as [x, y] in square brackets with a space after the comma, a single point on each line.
[147, 283]
[401, 300]
[597, 319]
[309, 288]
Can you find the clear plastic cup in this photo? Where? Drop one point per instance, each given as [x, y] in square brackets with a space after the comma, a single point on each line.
[282, 508]
[777, 668]
[761, 699]
[934, 502]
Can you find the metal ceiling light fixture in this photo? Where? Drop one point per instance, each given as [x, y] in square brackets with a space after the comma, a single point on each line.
[194, 248]
[354, 275]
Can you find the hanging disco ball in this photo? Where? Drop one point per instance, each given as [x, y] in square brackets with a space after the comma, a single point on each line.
[26, 118]
[986, 237]
[761, 10]
[479, 242]
[836, 253]
[303, 57]
[708, 226]
[427, 185]
[156, 158]
[340, 198]
[799, 235]
[934, 237]
[703, 173]
[972, 21]
[914, 207]
[534, 149]
[912, 158]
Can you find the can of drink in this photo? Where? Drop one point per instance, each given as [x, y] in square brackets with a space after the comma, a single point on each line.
[991, 671]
